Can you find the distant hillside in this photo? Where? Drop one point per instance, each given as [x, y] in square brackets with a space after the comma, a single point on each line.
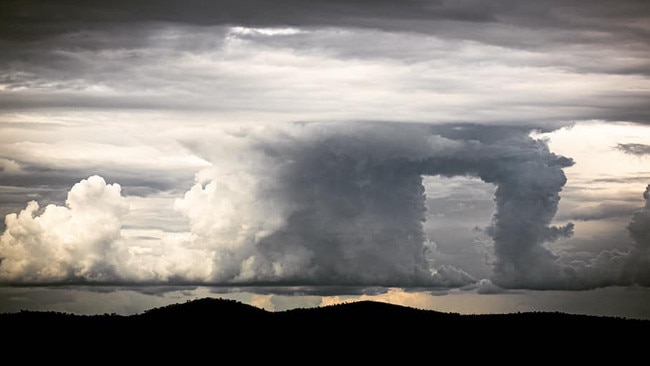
[227, 323]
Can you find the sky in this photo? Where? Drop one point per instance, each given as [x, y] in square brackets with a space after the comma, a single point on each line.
[465, 156]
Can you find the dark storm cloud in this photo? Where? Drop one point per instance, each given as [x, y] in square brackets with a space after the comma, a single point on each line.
[638, 264]
[634, 149]
[508, 23]
[356, 201]
[336, 204]
[34, 19]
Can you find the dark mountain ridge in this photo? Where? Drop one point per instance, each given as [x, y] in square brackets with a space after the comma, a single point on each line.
[228, 323]
[224, 309]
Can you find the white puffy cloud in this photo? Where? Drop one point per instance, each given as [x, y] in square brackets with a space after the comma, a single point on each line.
[85, 241]
[62, 242]
[229, 216]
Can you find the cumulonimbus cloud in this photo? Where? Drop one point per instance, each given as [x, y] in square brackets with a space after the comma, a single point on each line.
[337, 203]
[637, 269]
[322, 204]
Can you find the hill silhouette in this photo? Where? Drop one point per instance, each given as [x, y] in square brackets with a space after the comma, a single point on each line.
[351, 326]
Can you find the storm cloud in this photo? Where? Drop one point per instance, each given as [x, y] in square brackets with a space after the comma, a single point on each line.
[639, 257]
[339, 204]
[347, 203]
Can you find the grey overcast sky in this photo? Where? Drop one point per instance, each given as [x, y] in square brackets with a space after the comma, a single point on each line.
[421, 152]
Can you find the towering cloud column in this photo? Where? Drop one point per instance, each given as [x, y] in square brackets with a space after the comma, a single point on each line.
[529, 179]
[638, 264]
[527, 197]
[345, 204]
[315, 204]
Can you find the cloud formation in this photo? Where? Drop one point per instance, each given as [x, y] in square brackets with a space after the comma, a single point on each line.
[71, 242]
[429, 60]
[623, 20]
[346, 202]
[310, 204]
[613, 266]
[109, 89]
[600, 211]
[634, 149]
[638, 264]
[325, 204]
